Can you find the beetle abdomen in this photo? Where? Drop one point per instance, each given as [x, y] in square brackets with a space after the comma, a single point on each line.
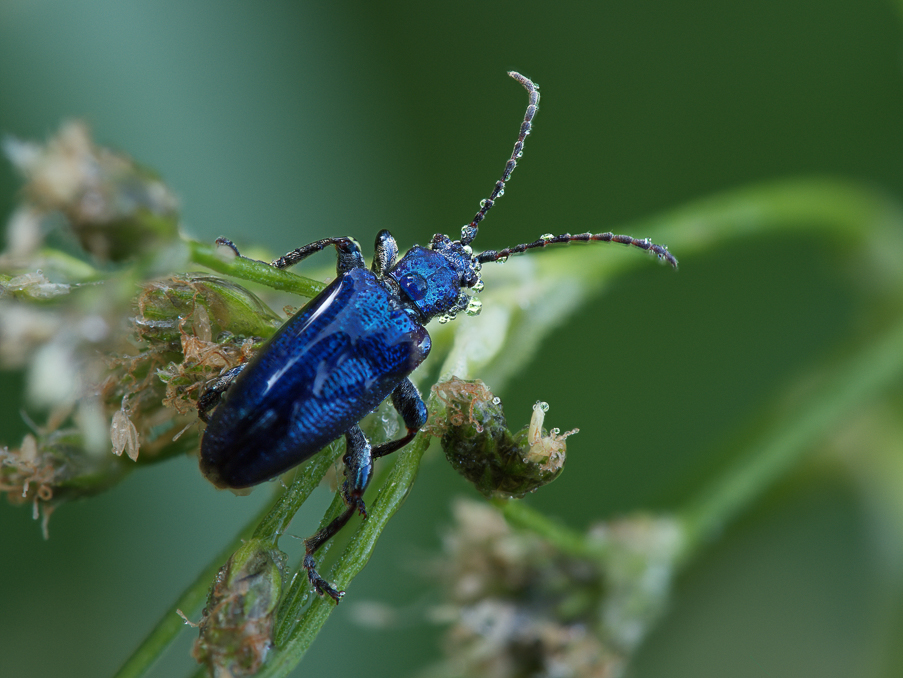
[326, 368]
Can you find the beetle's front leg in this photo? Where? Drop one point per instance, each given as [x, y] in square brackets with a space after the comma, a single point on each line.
[384, 253]
[358, 471]
[349, 253]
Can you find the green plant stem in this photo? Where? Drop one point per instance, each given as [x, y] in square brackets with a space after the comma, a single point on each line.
[532, 295]
[858, 217]
[566, 540]
[391, 495]
[852, 214]
[268, 523]
[307, 478]
[171, 624]
[219, 259]
[855, 384]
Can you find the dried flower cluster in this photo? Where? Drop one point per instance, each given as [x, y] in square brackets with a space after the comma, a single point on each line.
[237, 626]
[114, 349]
[521, 607]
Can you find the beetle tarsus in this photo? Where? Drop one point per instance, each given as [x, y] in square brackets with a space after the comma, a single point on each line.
[321, 586]
[312, 544]
[225, 242]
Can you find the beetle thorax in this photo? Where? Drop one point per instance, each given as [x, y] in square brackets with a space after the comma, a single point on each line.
[432, 278]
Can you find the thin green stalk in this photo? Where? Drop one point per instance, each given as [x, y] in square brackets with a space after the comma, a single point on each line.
[525, 300]
[192, 598]
[251, 270]
[269, 522]
[566, 540]
[855, 384]
[300, 592]
[307, 478]
[850, 213]
[391, 495]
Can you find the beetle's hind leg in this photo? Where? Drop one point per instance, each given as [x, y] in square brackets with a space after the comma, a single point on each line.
[358, 471]
[358, 459]
[214, 391]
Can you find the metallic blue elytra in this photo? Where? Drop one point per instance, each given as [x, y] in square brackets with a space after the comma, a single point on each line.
[337, 359]
[347, 350]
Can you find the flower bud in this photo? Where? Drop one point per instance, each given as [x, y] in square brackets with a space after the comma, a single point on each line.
[479, 445]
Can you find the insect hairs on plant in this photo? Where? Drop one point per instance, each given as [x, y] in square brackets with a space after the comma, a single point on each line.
[351, 347]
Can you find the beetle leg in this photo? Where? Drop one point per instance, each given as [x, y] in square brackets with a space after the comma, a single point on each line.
[358, 460]
[358, 471]
[349, 253]
[406, 399]
[384, 253]
[214, 391]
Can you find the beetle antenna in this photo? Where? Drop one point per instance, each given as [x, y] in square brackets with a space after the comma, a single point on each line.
[469, 232]
[644, 244]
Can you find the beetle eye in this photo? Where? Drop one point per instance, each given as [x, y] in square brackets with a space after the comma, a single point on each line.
[414, 285]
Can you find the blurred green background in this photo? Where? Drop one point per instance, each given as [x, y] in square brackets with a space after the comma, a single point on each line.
[282, 122]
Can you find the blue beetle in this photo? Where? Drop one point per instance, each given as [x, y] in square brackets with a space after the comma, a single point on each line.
[347, 350]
